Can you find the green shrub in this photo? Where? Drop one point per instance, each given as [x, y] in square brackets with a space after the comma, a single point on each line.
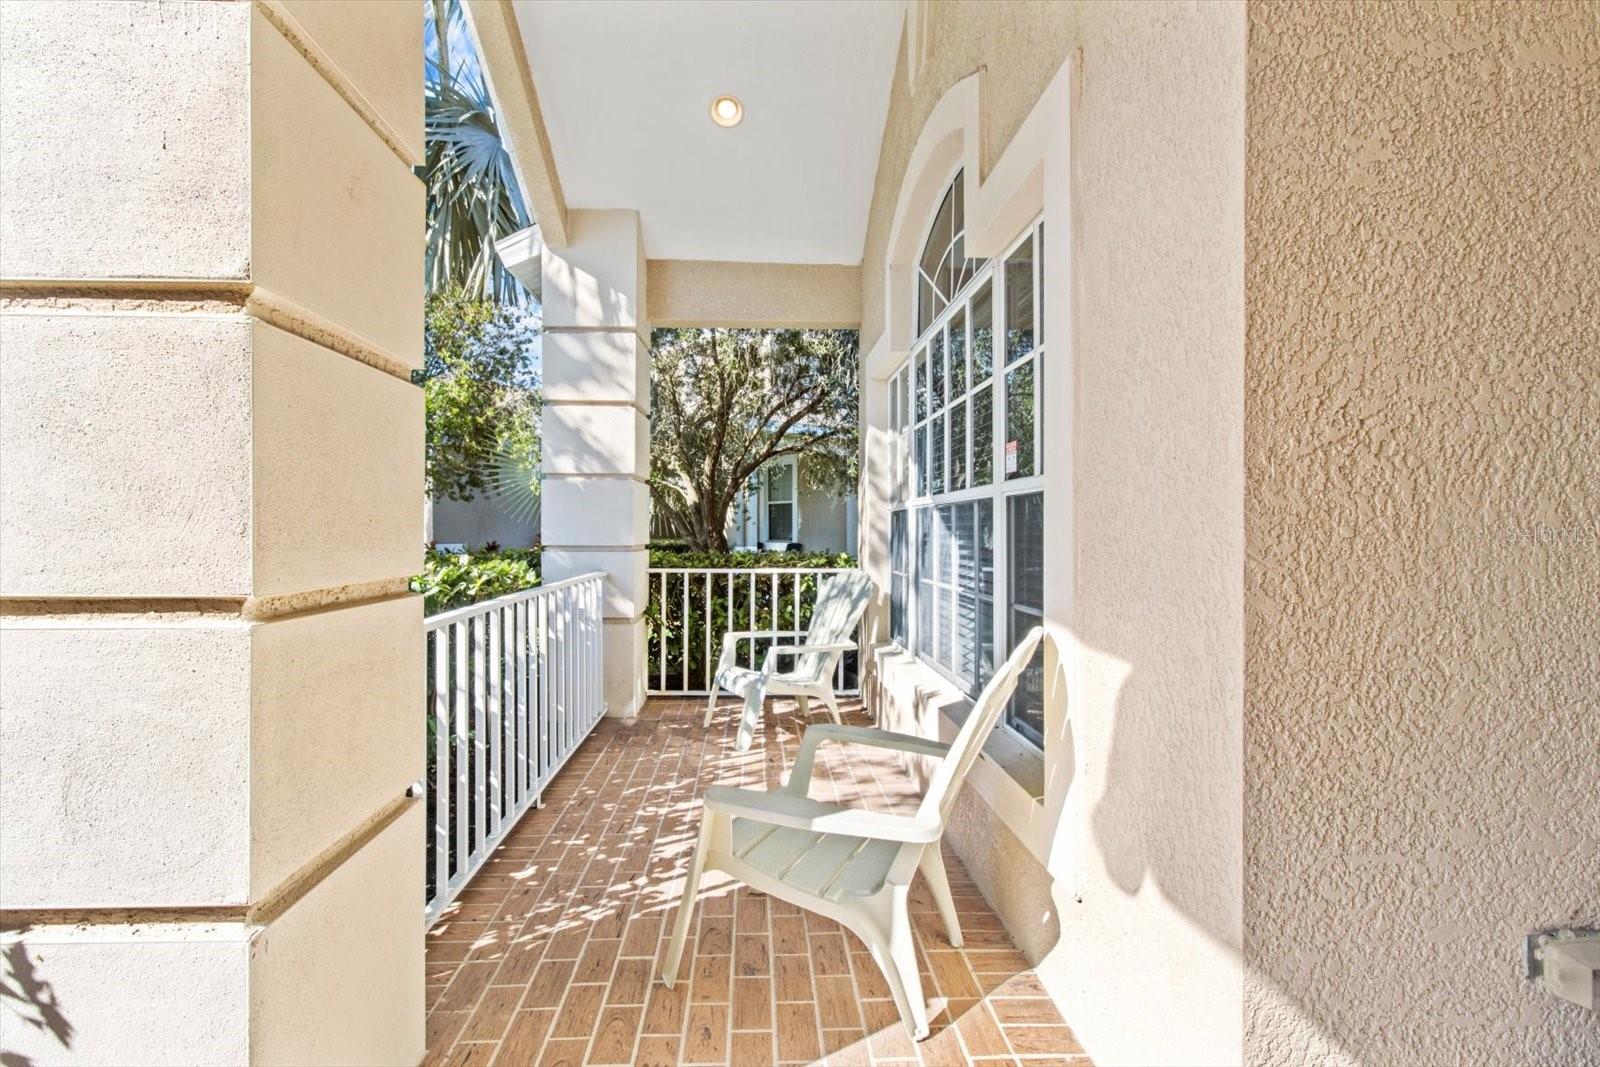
[663, 556]
[456, 579]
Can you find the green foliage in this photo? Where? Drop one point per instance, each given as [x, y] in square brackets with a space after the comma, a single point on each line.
[670, 554]
[724, 403]
[473, 198]
[456, 579]
[480, 397]
[740, 601]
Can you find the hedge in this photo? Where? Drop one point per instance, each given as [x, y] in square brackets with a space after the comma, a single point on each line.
[456, 579]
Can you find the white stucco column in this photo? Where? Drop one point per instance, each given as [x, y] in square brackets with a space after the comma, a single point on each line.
[596, 511]
[211, 697]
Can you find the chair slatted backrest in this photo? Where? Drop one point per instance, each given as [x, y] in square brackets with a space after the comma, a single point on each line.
[840, 603]
[986, 712]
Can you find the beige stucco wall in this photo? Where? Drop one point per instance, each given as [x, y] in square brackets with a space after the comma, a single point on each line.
[690, 293]
[1136, 849]
[1423, 521]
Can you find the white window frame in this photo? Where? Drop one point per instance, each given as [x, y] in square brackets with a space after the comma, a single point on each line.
[793, 500]
[906, 492]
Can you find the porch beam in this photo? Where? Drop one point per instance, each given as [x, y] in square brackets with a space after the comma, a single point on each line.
[689, 292]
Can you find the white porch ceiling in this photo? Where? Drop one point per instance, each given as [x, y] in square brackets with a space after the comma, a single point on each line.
[626, 88]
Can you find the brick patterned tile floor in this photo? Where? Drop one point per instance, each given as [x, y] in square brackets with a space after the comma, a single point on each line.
[548, 957]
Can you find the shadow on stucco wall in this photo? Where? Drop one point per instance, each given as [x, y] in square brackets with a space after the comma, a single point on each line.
[27, 997]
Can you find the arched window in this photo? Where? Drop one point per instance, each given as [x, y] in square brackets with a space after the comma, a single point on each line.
[966, 529]
[944, 270]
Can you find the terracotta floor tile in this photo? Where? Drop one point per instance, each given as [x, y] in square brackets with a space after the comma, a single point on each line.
[579, 1011]
[525, 1038]
[665, 1012]
[751, 955]
[705, 1038]
[657, 1052]
[794, 978]
[752, 1003]
[631, 982]
[797, 1032]
[752, 1050]
[836, 1003]
[1028, 1010]
[1032, 1040]
[614, 1038]
[597, 961]
[494, 1013]
[550, 984]
[548, 956]
[567, 1053]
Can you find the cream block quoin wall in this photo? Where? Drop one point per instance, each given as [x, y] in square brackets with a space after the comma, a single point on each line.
[596, 513]
[210, 457]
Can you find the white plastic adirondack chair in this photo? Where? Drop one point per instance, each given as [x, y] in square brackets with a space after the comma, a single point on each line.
[853, 866]
[840, 602]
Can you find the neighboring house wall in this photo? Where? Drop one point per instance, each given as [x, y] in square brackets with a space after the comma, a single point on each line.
[1422, 733]
[825, 518]
[478, 521]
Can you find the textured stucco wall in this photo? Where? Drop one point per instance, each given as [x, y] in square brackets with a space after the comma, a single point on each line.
[1423, 524]
[1144, 543]
[692, 292]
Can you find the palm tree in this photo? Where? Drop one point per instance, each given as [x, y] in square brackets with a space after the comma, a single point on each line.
[473, 199]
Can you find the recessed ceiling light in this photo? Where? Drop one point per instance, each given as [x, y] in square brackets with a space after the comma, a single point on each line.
[726, 111]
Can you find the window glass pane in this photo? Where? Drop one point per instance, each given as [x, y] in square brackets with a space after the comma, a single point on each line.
[921, 360]
[924, 635]
[958, 353]
[936, 454]
[944, 577]
[958, 446]
[919, 458]
[780, 522]
[1019, 422]
[780, 481]
[982, 334]
[925, 309]
[1019, 302]
[936, 370]
[897, 577]
[984, 537]
[1040, 242]
[1025, 524]
[966, 589]
[983, 436]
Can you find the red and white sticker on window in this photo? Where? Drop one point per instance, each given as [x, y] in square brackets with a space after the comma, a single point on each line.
[1011, 457]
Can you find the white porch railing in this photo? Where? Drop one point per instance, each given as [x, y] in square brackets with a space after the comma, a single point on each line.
[692, 607]
[514, 685]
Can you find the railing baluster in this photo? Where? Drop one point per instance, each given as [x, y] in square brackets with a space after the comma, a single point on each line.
[496, 668]
[463, 709]
[706, 660]
[441, 759]
[480, 730]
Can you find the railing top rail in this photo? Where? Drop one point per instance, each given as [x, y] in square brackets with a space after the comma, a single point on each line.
[752, 570]
[444, 618]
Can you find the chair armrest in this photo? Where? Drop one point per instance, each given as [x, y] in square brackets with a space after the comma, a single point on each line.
[800, 777]
[799, 650]
[802, 813]
[741, 635]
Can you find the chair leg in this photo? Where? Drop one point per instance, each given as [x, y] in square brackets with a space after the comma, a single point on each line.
[897, 958]
[691, 886]
[932, 867]
[711, 706]
[833, 704]
[754, 698]
[805, 705]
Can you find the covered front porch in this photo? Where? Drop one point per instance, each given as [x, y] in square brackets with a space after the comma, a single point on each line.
[548, 955]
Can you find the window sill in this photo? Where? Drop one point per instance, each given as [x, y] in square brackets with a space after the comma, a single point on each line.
[1020, 763]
